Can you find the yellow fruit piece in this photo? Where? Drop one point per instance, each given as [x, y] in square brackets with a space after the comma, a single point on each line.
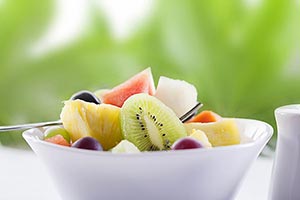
[102, 122]
[200, 136]
[221, 133]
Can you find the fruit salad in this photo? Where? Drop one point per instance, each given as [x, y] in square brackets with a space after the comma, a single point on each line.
[136, 116]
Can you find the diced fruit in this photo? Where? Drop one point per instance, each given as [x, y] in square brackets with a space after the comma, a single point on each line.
[179, 95]
[205, 117]
[187, 143]
[100, 93]
[220, 133]
[58, 139]
[57, 130]
[140, 83]
[201, 137]
[125, 147]
[102, 122]
[88, 143]
[149, 124]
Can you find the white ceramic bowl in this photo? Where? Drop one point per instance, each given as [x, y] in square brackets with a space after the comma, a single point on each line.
[210, 174]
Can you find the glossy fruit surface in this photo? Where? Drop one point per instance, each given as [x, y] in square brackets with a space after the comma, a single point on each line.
[186, 143]
[87, 143]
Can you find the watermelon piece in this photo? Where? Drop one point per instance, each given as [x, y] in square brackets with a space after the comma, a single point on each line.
[140, 83]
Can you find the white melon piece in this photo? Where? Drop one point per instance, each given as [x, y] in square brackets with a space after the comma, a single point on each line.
[200, 136]
[179, 95]
[125, 147]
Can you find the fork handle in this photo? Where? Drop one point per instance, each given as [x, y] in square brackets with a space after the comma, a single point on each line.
[28, 126]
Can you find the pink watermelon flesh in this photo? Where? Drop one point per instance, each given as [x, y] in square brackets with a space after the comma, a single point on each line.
[140, 83]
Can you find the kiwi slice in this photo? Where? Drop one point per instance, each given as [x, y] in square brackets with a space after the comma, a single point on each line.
[149, 124]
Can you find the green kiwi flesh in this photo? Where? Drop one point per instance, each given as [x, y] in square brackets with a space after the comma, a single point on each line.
[149, 124]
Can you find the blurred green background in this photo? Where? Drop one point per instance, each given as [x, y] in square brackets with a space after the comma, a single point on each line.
[243, 56]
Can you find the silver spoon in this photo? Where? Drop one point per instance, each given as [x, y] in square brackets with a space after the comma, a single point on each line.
[88, 97]
[82, 95]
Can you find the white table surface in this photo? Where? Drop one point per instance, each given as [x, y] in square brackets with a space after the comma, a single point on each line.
[22, 176]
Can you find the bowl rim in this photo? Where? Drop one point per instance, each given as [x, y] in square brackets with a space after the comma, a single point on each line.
[265, 137]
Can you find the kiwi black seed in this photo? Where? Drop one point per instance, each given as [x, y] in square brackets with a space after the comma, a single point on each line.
[150, 124]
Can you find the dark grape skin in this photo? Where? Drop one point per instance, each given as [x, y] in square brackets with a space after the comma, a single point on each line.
[88, 143]
[186, 143]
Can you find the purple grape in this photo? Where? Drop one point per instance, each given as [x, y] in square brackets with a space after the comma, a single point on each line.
[186, 143]
[87, 143]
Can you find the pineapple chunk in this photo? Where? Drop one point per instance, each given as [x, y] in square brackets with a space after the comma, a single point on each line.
[101, 122]
[221, 133]
[200, 136]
